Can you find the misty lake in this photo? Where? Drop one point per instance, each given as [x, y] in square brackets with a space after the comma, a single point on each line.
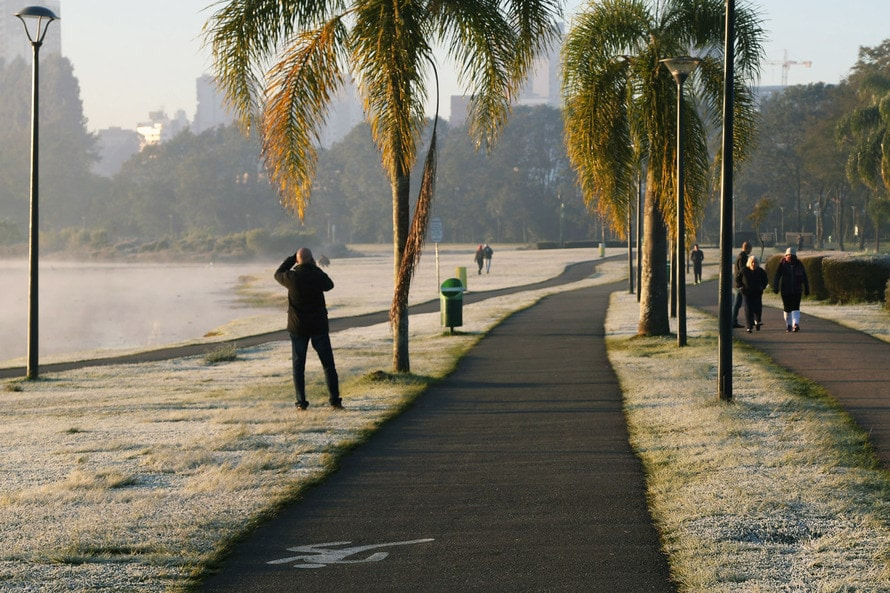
[112, 306]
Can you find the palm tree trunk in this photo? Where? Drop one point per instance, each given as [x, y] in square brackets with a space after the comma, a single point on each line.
[399, 317]
[654, 288]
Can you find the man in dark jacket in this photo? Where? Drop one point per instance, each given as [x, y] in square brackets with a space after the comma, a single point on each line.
[740, 263]
[307, 321]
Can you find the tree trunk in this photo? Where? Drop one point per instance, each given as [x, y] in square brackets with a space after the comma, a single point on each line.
[400, 225]
[654, 282]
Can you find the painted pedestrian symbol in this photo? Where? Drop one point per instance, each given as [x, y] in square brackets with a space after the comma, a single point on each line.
[322, 555]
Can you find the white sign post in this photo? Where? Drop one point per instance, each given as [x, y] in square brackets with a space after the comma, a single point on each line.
[436, 232]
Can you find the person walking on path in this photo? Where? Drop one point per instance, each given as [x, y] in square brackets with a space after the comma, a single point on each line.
[791, 281]
[487, 252]
[740, 263]
[307, 321]
[479, 258]
[751, 282]
[696, 255]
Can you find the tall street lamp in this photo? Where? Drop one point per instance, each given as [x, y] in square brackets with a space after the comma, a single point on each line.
[639, 233]
[36, 20]
[724, 300]
[680, 68]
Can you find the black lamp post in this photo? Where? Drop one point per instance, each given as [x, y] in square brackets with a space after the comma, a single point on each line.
[36, 20]
[680, 68]
[639, 233]
[724, 300]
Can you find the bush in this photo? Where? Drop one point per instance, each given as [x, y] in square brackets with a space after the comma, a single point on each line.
[851, 280]
[262, 242]
[770, 265]
[887, 296]
[815, 275]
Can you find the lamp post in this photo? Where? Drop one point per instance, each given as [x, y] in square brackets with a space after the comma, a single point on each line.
[36, 20]
[724, 300]
[639, 233]
[680, 68]
[630, 251]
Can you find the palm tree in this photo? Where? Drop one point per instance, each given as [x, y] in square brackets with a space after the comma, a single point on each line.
[620, 110]
[279, 62]
[866, 131]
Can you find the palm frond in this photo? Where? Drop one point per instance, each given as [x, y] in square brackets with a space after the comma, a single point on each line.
[245, 37]
[300, 89]
[390, 52]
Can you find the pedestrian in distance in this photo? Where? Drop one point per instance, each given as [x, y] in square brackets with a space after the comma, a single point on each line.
[740, 263]
[751, 282]
[307, 321]
[791, 281]
[487, 252]
[697, 256]
[479, 258]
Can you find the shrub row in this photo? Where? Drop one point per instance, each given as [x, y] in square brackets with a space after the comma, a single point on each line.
[843, 278]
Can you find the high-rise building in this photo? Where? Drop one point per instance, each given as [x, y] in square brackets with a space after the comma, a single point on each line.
[211, 110]
[116, 146]
[344, 114]
[13, 40]
[542, 87]
[544, 82]
[159, 128]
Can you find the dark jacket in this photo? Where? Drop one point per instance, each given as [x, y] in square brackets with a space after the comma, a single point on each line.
[741, 262]
[307, 314]
[751, 282]
[791, 278]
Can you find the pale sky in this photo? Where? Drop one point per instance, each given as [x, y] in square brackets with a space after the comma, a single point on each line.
[136, 56]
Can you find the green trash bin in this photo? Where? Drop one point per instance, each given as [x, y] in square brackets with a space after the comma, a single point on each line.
[451, 300]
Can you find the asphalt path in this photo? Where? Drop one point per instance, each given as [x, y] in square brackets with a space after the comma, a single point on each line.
[512, 474]
[571, 273]
[852, 366]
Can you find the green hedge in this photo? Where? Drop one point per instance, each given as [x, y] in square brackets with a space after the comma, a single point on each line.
[814, 265]
[851, 280]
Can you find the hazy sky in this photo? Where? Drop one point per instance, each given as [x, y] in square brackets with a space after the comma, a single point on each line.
[136, 56]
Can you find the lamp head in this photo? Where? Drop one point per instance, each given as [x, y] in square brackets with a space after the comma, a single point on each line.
[681, 67]
[36, 20]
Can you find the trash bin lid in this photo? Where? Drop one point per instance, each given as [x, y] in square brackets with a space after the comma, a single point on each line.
[452, 286]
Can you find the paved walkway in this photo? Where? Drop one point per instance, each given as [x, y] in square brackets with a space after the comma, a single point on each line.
[513, 474]
[852, 366]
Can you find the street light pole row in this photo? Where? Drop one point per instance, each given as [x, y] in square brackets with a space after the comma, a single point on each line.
[38, 18]
[680, 68]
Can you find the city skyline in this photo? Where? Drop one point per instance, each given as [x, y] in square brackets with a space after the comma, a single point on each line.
[132, 58]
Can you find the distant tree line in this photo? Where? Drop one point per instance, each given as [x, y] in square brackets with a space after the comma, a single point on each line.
[213, 183]
[798, 179]
[819, 168]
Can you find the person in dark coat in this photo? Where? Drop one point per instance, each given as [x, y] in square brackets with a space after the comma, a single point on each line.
[791, 280]
[307, 321]
[697, 256]
[479, 257]
[487, 252]
[740, 263]
[751, 282]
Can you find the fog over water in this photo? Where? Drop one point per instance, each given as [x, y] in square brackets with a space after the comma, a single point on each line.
[88, 306]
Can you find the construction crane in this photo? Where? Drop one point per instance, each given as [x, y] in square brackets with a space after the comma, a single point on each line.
[786, 65]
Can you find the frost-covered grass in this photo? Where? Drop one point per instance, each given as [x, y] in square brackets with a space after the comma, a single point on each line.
[775, 492]
[136, 477]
